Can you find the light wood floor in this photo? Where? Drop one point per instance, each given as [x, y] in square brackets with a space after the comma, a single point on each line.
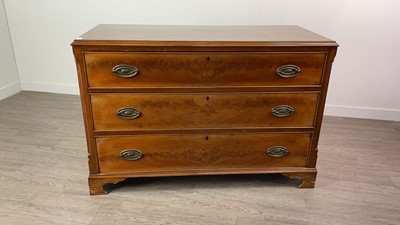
[43, 178]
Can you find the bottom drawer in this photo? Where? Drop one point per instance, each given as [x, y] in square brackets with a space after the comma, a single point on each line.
[195, 151]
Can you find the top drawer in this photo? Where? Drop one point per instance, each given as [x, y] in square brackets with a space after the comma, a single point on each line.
[202, 69]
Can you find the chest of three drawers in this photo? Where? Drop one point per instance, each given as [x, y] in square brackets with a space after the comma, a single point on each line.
[174, 106]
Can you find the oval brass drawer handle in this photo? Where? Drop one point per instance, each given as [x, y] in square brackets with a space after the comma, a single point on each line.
[128, 113]
[288, 71]
[131, 155]
[282, 110]
[125, 71]
[277, 151]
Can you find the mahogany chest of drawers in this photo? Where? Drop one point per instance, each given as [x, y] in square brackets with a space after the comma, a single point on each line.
[202, 100]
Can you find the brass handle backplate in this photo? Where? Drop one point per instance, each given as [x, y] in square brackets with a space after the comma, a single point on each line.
[288, 71]
[277, 151]
[131, 155]
[282, 111]
[128, 113]
[125, 71]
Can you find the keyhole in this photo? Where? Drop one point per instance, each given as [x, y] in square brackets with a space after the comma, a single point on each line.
[206, 138]
[208, 98]
[208, 58]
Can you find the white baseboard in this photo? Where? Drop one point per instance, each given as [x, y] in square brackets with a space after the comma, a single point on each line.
[362, 112]
[52, 88]
[9, 90]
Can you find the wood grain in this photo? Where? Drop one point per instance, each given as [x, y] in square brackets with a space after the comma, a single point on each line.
[110, 34]
[358, 177]
[208, 110]
[206, 69]
[203, 152]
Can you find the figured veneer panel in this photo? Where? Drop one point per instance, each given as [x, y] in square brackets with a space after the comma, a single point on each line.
[209, 69]
[190, 111]
[179, 152]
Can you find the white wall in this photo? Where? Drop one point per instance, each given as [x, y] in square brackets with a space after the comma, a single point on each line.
[365, 78]
[9, 80]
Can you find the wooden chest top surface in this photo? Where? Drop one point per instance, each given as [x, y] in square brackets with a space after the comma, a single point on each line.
[199, 35]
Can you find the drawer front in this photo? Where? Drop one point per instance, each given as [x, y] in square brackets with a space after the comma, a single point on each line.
[177, 152]
[116, 112]
[202, 69]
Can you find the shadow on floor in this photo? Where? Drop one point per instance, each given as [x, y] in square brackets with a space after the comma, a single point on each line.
[203, 182]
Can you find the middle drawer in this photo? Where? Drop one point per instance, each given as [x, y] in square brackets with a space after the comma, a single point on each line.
[128, 112]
